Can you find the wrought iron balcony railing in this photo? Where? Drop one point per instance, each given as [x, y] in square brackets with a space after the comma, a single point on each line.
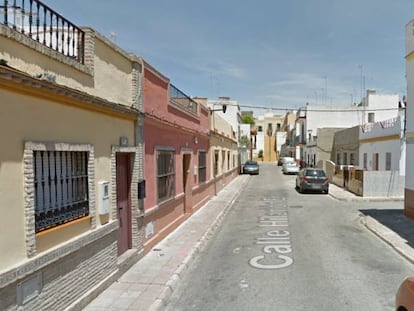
[183, 101]
[40, 23]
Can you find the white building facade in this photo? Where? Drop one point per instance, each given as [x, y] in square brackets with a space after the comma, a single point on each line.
[375, 108]
[409, 134]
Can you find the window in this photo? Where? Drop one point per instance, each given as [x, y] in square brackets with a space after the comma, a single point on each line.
[260, 128]
[352, 156]
[365, 161]
[165, 174]
[202, 168]
[216, 162]
[269, 129]
[345, 158]
[61, 187]
[388, 161]
[223, 161]
[228, 160]
[371, 117]
[338, 159]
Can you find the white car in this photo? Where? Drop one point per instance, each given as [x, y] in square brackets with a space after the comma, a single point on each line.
[290, 168]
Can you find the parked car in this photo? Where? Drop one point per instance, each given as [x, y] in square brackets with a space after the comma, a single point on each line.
[282, 160]
[312, 179]
[251, 167]
[290, 168]
[404, 300]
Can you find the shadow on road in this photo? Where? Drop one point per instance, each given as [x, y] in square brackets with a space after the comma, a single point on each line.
[395, 220]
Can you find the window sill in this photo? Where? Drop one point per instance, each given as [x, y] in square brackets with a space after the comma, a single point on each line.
[57, 235]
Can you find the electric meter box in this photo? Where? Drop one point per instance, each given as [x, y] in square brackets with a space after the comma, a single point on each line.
[103, 197]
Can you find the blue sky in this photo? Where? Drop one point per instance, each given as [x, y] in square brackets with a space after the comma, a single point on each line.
[263, 53]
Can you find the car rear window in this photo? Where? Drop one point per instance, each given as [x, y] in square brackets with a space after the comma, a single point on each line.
[317, 173]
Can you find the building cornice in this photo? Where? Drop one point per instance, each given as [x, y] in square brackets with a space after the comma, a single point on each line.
[17, 81]
[378, 139]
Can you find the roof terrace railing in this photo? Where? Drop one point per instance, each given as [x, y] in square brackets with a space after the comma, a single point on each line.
[40, 23]
[183, 101]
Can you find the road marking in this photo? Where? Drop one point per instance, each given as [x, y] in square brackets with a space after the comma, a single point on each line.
[276, 244]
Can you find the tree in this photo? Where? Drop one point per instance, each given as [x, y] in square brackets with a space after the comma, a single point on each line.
[245, 141]
[247, 119]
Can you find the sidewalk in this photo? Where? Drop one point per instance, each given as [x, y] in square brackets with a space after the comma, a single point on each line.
[390, 225]
[344, 195]
[148, 284]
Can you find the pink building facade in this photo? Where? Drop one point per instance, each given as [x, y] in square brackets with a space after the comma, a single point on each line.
[177, 157]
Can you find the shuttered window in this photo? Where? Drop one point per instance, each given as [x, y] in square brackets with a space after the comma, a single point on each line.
[202, 168]
[165, 174]
[61, 187]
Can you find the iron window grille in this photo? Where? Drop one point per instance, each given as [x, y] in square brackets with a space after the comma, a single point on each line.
[202, 167]
[165, 175]
[61, 187]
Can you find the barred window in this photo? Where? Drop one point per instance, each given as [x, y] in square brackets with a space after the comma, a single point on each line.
[202, 167]
[165, 174]
[61, 187]
[365, 161]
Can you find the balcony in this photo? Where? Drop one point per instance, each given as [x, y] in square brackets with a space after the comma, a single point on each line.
[37, 21]
[182, 101]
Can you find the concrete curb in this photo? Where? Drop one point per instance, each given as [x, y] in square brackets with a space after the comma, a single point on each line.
[390, 237]
[172, 283]
[366, 199]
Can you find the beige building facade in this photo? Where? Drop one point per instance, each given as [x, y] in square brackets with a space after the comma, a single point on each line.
[267, 126]
[71, 160]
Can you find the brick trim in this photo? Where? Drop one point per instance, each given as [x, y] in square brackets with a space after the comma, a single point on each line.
[29, 189]
[136, 207]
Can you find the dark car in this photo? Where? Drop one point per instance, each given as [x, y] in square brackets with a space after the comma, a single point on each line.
[312, 179]
[251, 167]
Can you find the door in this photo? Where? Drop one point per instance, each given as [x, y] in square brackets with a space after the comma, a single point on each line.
[123, 198]
[375, 162]
[186, 183]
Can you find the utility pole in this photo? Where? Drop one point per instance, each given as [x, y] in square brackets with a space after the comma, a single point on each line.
[361, 82]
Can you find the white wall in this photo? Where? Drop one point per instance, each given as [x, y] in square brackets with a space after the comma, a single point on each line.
[381, 147]
[409, 48]
[349, 116]
[232, 115]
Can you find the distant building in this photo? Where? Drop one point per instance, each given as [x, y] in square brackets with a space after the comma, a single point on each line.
[267, 126]
[309, 119]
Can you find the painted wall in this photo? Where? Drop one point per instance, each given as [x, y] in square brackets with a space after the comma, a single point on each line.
[27, 118]
[348, 116]
[409, 169]
[107, 76]
[382, 137]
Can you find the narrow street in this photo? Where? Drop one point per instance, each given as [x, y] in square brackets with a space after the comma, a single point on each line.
[278, 249]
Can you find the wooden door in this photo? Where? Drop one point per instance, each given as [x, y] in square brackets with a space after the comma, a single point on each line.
[123, 197]
[186, 183]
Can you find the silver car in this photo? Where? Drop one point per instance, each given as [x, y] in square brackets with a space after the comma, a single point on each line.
[290, 168]
[312, 179]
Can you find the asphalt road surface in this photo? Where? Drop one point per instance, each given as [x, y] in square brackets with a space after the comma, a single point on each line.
[278, 249]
